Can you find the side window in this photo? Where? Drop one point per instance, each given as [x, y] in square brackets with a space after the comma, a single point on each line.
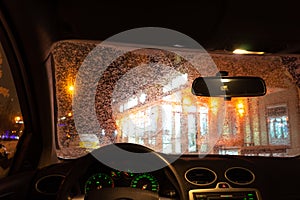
[11, 121]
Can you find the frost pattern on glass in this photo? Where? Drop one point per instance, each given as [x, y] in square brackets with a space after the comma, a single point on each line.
[142, 87]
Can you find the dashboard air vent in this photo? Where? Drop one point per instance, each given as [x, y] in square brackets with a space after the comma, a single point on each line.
[239, 175]
[50, 184]
[200, 176]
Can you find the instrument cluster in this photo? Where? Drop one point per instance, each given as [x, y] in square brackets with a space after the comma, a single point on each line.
[114, 178]
[99, 176]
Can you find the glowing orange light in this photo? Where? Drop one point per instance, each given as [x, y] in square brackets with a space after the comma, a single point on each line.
[17, 118]
[240, 108]
[70, 82]
[241, 112]
[71, 88]
[69, 114]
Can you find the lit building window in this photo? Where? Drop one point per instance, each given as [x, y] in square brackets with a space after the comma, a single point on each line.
[177, 127]
[203, 117]
[167, 118]
[192, 130]
[278, 125]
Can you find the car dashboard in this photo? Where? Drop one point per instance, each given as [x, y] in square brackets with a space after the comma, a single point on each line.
[200, 178]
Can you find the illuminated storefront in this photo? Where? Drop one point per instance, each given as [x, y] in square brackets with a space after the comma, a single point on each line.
[180, 122]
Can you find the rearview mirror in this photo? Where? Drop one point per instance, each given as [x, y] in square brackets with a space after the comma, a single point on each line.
[227, 87]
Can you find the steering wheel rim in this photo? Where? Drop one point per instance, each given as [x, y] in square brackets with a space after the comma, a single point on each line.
[82, 164]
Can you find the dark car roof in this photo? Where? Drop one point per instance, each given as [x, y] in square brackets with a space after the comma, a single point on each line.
[217, 25]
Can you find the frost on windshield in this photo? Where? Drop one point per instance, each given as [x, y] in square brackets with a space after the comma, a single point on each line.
[145, 97]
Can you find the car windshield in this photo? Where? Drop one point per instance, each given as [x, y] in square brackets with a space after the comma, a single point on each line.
[143, 96]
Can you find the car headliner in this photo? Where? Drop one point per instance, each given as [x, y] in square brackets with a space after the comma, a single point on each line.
[216, 25]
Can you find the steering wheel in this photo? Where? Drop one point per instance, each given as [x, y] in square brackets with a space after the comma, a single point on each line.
[120, 156]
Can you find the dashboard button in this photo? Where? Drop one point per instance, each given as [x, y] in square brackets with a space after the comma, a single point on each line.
[223, 185]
